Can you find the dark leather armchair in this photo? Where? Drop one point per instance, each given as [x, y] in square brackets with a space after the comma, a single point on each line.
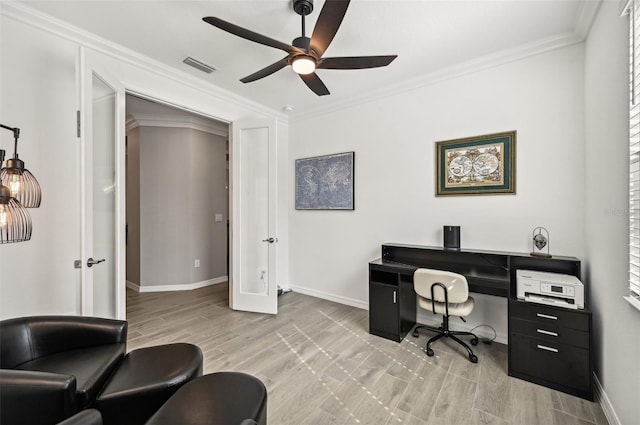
[53, 366]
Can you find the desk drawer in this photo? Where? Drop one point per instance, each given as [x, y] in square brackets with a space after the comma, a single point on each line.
[550, 331]
[562, 364]
[575, 319]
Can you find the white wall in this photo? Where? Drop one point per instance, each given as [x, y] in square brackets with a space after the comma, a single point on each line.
[540, 97]
[616, 323]
[37, 277]
[38, 94]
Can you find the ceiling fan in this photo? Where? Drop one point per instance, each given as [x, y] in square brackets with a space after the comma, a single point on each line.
[304, 53]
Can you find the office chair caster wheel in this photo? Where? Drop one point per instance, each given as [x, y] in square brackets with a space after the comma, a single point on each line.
[473, 358]
[415, 334]
[430, 352]
[474, 341]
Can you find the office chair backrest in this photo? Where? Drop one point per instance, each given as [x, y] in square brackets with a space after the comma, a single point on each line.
[457, 287]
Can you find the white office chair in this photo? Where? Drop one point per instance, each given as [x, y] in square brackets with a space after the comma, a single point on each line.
[444, 293]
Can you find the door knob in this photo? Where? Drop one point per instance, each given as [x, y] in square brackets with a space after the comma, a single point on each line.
[91, 261]
[270, 240]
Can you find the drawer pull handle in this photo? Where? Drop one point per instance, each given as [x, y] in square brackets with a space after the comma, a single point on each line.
[542, 331]
[546, 316]
[544, 347]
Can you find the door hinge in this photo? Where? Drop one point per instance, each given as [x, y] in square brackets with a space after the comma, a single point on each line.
[78, 123]
[77, 264]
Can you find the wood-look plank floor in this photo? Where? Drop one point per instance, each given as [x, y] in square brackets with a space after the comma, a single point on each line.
[321, 366]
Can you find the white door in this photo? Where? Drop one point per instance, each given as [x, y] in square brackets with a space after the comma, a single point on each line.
[102, 148]
[254, 241]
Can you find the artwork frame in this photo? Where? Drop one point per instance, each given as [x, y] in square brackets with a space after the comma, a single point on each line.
[479, 165]
[325, 182]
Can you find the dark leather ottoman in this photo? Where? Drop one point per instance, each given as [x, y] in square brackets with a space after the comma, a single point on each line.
[145, 379]
[221, 398]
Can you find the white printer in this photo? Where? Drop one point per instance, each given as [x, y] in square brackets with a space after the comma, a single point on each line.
[557, 289]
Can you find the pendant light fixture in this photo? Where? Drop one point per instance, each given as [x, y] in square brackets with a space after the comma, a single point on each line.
[22, 184]
[15, 221]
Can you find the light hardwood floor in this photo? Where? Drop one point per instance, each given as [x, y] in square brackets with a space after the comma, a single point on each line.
[321, 366]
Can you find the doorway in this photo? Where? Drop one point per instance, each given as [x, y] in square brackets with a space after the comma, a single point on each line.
[177, 197]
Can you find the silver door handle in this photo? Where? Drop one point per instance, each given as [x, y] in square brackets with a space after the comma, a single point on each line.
[91, 261]
[270, 240]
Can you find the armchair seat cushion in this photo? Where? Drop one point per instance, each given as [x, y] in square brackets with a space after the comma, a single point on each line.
[145, 379]
[217, 398]
[91, 367]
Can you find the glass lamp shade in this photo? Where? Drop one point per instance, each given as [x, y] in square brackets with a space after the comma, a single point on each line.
[303, 65]
[15, 221]
[22, 184]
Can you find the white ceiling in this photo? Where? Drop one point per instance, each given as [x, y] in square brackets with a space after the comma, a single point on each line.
[430, 37]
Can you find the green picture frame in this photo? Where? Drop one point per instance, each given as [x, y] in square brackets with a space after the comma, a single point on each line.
[480, 165]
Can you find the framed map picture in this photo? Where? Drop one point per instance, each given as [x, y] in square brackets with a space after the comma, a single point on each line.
[477, 165]
[325, 182]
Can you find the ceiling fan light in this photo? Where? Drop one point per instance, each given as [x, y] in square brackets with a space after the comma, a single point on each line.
[303, 65]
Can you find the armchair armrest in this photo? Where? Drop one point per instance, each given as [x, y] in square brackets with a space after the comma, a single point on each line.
[29, 397]
[84, 417]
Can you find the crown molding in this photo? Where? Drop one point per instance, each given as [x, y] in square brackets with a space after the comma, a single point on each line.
[476, 65]
[586, 15]
[177, 121]
[587, 12]
[22, 13]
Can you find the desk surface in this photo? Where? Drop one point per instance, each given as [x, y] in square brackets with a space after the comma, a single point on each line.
[489, 284]
[487, 272]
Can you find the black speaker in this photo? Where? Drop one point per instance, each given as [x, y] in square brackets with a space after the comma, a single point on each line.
[451, 235]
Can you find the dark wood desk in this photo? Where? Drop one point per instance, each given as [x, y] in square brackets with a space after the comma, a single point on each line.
[565, 366]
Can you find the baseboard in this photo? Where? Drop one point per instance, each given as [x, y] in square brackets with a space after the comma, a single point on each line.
[605, 403]
[183, 287]
[330, 297]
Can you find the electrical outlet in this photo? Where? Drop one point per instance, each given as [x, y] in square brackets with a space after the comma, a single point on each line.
[197, 263]
[218, 217]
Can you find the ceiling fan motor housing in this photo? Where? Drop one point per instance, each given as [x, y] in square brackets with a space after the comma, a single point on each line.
[302, 43]
[303, 7]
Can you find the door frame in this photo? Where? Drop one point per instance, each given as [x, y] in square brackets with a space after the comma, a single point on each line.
[86, 65]
[273, 165]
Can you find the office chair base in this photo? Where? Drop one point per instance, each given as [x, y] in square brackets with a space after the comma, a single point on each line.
[416, 330]
[452, 334]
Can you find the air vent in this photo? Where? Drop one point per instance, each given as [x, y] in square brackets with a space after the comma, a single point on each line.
[199, 65]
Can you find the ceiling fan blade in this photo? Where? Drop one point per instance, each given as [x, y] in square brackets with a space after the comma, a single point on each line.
[327, 25]
[250, 35]
[315, 84]
[266, 71]
[356, 62]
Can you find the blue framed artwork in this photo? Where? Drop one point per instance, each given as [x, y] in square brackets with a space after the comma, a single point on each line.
[325, 182]
[478, 165]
